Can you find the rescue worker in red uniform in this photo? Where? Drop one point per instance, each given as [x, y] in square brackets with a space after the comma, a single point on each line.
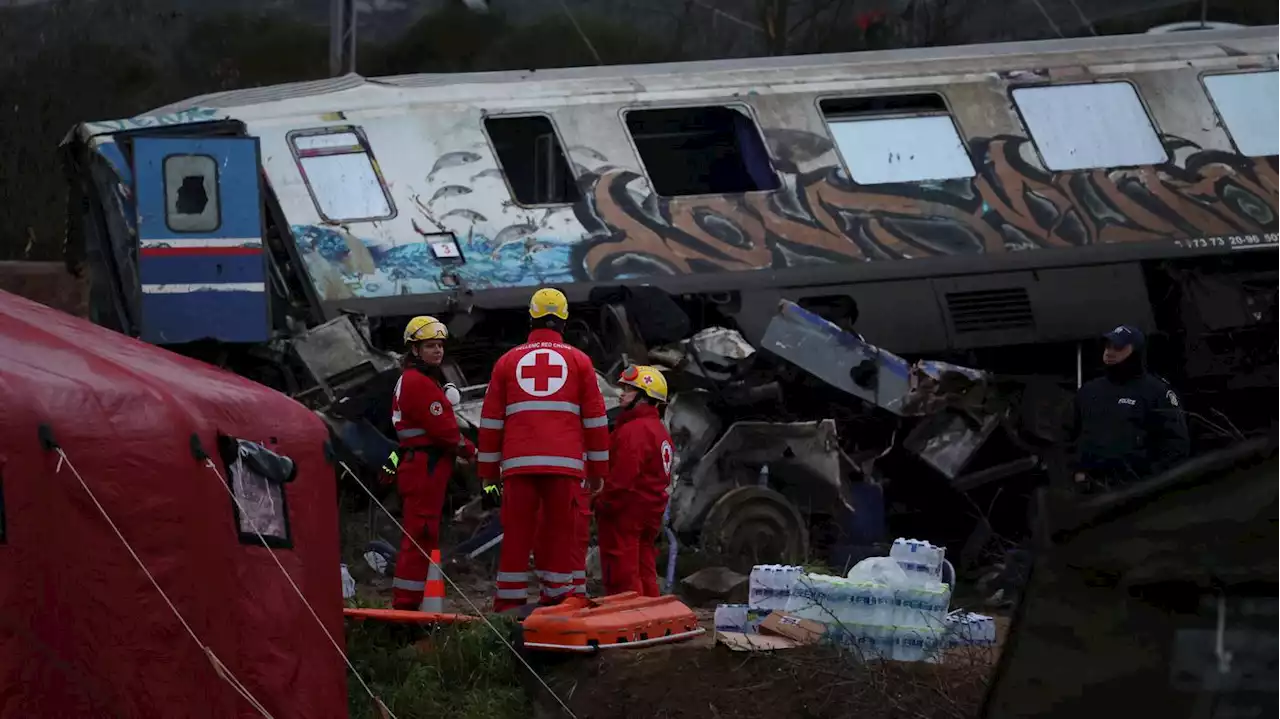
[427, 430]
[543, 430]
[630, 507]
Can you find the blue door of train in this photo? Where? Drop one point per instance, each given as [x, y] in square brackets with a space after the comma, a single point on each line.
[200, 252]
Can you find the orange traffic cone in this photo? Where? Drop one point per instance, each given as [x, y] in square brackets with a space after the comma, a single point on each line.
[433, 596]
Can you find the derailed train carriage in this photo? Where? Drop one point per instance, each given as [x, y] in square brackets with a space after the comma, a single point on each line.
[993, 206]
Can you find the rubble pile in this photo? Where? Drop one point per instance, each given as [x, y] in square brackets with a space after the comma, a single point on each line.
[787, 450]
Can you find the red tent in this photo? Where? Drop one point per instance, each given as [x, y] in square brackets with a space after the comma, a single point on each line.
[83, 632]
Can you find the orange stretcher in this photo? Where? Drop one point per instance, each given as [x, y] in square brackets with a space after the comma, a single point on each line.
[620, 621]
[404, 616]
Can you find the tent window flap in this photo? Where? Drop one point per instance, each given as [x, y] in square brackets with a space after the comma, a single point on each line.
[257, 477]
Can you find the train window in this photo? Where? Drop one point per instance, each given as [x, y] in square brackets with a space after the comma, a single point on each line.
[897, 138]
[701, 151]
[532, 160]
[1078, 127]
[1249, 105]
[342, 175]
[191, 193]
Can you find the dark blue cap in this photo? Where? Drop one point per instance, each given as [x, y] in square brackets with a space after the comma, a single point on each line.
[1125, 336]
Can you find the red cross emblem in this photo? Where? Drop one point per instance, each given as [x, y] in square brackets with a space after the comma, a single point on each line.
[667, 457]
[542, 372]
[648, 379]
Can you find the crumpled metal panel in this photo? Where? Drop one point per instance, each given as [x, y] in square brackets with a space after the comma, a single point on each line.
[334, 352]
[736, 458]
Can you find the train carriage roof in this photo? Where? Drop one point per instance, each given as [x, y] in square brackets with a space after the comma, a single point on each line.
[356, 92]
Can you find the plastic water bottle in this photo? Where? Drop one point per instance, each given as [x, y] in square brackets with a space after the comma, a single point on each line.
[348, 584]
[881, 610]
[921, 560]
[908, 644]
[770, 581]
[861, 603]
[789, 575]
[755, 587]
[731, 618]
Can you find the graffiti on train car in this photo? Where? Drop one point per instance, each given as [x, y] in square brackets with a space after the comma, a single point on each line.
[822, 216]
[621, 230]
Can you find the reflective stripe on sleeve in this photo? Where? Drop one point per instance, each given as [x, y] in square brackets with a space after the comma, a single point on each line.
[540, 406]
[486, 423]
[542, 461]
[602, 456]
[488, 456]
[594, 422]
[407, 433]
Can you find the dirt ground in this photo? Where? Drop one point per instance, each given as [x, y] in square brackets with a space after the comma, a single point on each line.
[697, 680]
[701, 679]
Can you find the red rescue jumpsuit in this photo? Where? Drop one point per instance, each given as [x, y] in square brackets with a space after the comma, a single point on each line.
[581, 537]
[629, 509]
[543, 430]
[429, 442]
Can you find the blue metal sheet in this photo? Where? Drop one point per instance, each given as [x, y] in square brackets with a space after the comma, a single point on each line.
[173, 314]
[202, 284]
[209, 269]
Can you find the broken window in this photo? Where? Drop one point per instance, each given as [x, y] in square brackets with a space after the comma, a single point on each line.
[257, 477]
[1249, 105]
[897, 138]
[342, 175]
[532, 160]
[1079, 127]
[701, 151]
[191, 193]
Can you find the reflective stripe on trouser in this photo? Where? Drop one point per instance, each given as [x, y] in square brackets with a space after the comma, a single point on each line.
[423, 496]
[537, 518]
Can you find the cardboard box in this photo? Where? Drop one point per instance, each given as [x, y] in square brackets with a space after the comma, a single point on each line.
[801, 631]
[741, 642]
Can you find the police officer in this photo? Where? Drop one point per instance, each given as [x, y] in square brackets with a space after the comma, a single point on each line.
[1128, 423]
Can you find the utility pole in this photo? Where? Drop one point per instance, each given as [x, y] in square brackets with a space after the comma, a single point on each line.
[342, 37]
[1204, 13]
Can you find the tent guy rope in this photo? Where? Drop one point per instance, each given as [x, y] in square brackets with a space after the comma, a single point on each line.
[244, 513]
[218, 667]
[348, 472]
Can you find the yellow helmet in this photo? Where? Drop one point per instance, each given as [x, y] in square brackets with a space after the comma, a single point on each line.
[549, 301]
[424, 328]
[646, 379]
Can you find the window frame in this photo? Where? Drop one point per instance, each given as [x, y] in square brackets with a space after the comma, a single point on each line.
[1217, 112]
[751, 115]
[1142, 102]
[485, 116]
[228, 454]
[948, 112]
[363, 141]
[217, 188]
